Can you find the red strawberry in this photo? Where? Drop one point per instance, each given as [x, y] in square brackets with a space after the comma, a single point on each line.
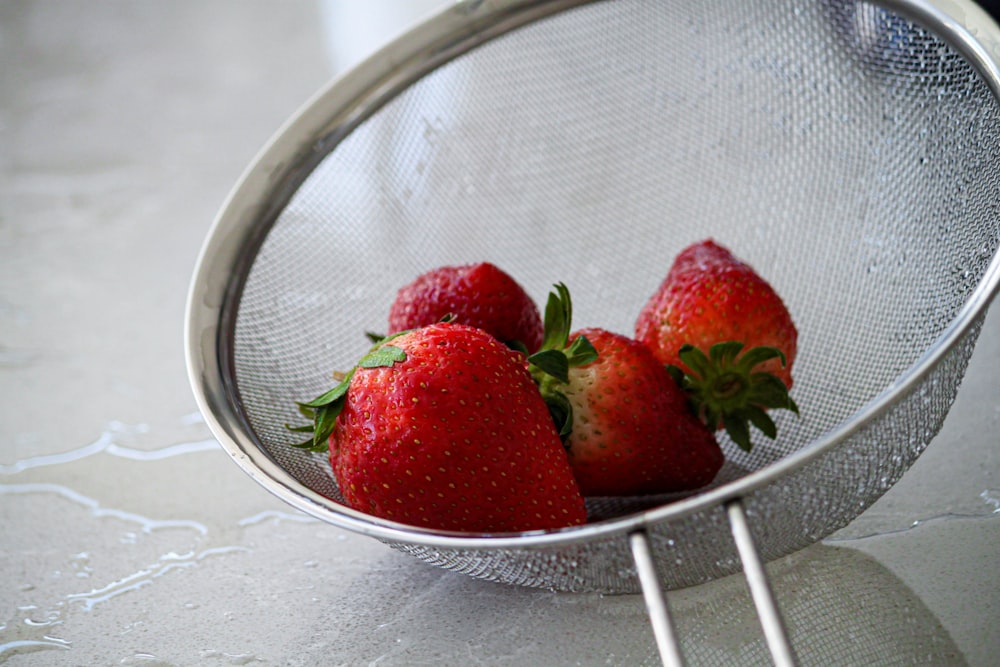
[479, 295]
[633, 430]
[627, 425]
[442, 427]
[710, 307]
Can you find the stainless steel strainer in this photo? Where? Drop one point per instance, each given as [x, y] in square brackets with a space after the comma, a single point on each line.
[850, 151]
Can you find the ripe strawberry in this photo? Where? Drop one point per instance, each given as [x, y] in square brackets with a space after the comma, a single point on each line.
[442, 427]
[628, 427]
[479, 295]
[709, 308]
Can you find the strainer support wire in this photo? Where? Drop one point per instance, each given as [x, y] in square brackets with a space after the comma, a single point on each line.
[664, 631]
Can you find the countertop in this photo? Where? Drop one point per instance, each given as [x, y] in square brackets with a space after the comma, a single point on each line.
[130, 537]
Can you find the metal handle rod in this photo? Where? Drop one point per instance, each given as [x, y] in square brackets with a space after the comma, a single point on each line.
[656, 601]
[760, 588]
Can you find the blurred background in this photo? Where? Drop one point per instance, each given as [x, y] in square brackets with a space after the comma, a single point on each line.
[129, 537]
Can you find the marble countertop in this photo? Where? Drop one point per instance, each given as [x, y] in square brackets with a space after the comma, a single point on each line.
[130, 537]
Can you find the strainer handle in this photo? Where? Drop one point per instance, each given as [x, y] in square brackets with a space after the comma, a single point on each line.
[656, 601]
[772, 624]
[771, 621]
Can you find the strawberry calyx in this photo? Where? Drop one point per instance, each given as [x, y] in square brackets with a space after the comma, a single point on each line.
[325, 408]
[725, 390]
[550, 365]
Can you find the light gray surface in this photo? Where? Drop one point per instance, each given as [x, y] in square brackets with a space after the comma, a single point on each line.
[131, 538]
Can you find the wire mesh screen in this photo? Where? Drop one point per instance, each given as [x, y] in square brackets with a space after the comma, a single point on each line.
[851, 156]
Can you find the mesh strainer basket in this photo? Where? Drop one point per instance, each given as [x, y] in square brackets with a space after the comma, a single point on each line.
[849, 151]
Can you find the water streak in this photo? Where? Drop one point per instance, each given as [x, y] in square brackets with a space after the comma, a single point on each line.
[107, 444]
[147, 525]
[993, 498]
[917, 523]
[231, 658]
[261, 517]
[144, 577]
[26, 645]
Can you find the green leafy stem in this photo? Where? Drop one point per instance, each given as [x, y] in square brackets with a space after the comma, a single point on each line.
[551, 364]
[325, 408]
[724, 389]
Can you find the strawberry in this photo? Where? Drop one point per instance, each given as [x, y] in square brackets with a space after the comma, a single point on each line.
[479, 295]
[727, 336]
[442, 427]
[628, 427]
